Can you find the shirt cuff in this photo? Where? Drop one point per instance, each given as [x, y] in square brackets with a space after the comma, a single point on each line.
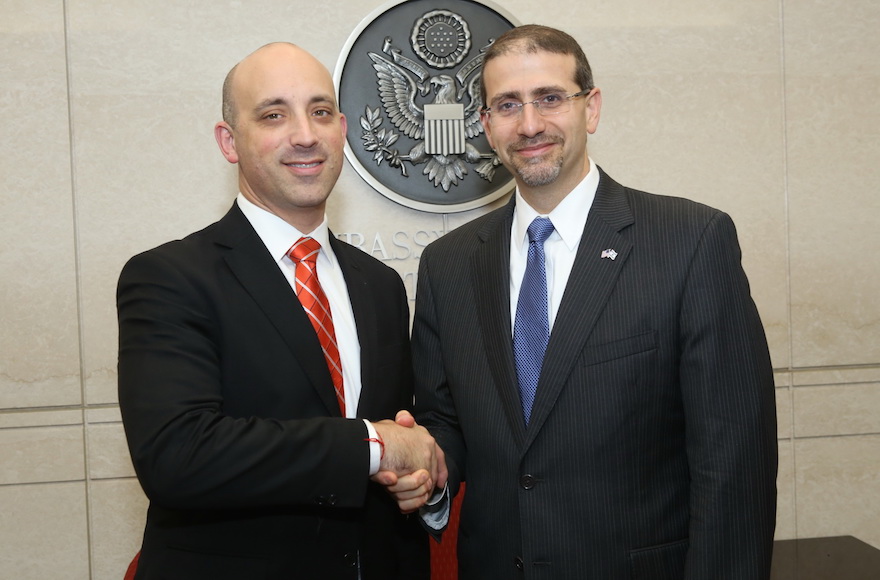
[375, 448]
[436, 512]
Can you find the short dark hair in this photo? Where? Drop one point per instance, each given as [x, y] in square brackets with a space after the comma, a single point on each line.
[534, 37]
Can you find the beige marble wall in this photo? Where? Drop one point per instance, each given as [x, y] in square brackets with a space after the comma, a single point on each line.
[765, 108]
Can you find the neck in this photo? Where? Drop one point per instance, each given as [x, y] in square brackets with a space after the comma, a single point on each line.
[304, 218]
[305, 223]
[542, 201]
[545, 198]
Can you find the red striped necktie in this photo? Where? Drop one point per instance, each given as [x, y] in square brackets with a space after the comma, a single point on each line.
[304, 254]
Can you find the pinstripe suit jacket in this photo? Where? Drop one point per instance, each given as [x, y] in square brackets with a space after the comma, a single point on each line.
[651, 451]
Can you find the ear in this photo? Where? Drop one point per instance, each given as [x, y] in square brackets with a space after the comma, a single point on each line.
[344, 124]
[594, 107]
[226, 141]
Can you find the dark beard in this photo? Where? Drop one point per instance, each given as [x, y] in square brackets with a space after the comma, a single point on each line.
[536, 172]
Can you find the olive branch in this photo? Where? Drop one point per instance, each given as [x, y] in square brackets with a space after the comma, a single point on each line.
[378, 140]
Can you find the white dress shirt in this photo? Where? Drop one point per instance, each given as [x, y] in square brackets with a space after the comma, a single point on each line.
[278, 236]
[569, 219]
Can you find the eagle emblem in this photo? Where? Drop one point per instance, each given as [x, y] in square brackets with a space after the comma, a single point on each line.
[419, 130]
[441, 126]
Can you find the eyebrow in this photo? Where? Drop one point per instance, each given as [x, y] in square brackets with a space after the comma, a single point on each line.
[267, 103]
[538, 92]
[276, 101]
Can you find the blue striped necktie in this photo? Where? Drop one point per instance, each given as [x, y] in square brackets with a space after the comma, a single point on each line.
[531, 328]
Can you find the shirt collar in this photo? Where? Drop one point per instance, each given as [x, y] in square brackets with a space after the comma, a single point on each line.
[278, 235]
[569, 217]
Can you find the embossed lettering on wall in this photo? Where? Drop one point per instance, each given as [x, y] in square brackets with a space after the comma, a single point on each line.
[395, 248]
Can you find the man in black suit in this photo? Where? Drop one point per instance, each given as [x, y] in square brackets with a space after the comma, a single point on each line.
[255, 456]
[618, 422]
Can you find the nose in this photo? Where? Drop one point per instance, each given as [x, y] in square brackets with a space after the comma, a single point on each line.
[302, 133]
[530, 122]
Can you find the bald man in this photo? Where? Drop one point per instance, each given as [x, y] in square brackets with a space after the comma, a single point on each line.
[257, 402]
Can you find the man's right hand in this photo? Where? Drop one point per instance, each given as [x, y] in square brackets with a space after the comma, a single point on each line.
[413, 464]
[407, 449]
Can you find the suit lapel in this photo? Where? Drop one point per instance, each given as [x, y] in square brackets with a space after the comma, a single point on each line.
[490, 276]
[589, 286]
[257, 272]
[365, 317]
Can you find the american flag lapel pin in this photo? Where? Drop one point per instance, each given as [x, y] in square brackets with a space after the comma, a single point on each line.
[609, 253]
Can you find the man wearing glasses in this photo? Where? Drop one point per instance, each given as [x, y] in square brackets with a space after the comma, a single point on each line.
[590, 360]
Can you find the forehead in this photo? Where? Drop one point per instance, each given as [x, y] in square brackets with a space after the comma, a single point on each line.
[524, 73]
[281, 73]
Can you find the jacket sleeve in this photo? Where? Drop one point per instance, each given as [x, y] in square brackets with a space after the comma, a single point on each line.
[187, 451]
[729, 402]
[434, 406]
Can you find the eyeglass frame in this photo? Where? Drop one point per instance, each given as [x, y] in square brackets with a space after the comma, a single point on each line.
[536, 103]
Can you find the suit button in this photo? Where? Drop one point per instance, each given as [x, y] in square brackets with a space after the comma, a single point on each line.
[527, 482]
[518, 562]
[350, 559]
[326, 500]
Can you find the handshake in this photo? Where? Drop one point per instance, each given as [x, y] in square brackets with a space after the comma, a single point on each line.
[412, 464]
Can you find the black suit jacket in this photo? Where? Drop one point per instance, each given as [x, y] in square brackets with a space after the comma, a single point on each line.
[651, 450]
[232, 421]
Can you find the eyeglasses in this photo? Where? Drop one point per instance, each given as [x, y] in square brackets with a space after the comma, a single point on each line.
[550, 104]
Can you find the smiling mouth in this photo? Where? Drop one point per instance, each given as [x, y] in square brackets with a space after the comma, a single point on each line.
[527, 147]
[304, 165]
[534, 151]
